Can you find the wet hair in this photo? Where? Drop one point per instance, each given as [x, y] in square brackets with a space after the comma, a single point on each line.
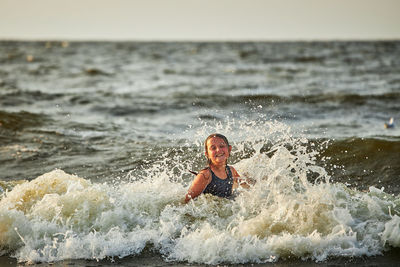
[212, 136]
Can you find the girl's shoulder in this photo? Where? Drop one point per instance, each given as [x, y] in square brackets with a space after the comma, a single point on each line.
[233, 171]
[206, 173]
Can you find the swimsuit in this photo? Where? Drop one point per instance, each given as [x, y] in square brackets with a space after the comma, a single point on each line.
[220, 187]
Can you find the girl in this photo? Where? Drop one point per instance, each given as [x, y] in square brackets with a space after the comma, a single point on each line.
[218, 178]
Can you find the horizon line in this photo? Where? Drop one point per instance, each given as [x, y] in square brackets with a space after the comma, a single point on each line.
[199, 40]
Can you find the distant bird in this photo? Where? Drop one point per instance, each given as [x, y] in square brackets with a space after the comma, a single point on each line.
[390, 124]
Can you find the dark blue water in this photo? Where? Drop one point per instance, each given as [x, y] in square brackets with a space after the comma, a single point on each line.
[111, 112]
[89, 108]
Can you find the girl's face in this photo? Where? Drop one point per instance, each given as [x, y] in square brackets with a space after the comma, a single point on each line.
[217, 151]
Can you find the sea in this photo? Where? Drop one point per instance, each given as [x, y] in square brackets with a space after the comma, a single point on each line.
[97, 140]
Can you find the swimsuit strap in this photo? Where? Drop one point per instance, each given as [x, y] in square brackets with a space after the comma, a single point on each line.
[228, 172]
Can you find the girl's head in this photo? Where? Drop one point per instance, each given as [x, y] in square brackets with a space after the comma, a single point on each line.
[217, 149]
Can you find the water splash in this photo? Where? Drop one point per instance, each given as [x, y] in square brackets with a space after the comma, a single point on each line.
[292, 210]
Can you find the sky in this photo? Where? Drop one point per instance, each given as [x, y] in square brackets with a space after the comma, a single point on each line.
[201, 20]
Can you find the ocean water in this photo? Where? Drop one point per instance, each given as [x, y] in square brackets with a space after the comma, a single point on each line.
[96, 140]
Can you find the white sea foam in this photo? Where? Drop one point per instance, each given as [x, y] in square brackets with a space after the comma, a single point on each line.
[61, 216]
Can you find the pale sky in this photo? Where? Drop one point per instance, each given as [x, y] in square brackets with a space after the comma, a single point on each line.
[212, 20]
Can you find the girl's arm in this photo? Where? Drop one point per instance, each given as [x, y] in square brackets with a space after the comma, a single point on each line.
[198, 185]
